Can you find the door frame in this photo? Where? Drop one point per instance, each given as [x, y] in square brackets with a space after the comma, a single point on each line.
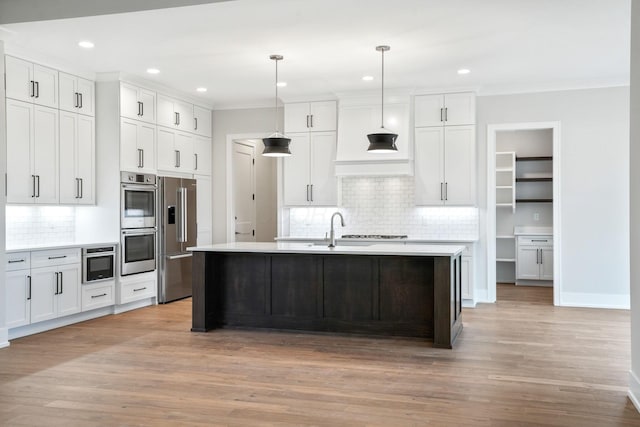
[492, 131]
[245, 138]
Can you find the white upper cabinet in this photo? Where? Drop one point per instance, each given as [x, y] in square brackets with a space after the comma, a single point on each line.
[201, 121]
[202, 155]
[76, 94]
[309, 173]
[175, 151]
[137, 146]
[26, 81]
[77, 159]
[310, 116]
[32, 153]
[450, 109]
[175, 114]
[137, 103]
[445, 166]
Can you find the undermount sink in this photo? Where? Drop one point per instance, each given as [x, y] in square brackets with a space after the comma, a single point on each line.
[342, 244]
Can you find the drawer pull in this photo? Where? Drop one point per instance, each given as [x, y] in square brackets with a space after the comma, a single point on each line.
[13, 261]
[139, 289]
[57, 257]
[98, 296]
[539, 240]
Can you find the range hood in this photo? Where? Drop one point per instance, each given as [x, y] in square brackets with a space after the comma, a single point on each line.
[359, 116]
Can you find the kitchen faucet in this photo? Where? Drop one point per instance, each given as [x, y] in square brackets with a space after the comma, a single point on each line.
[332, 234]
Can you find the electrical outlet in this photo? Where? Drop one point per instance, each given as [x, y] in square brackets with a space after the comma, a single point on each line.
[536, 216]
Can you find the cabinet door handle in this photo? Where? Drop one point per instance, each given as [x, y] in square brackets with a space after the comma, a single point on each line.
[75, 96]
[307, 192]
[37, 89]
[57, 284]
[446, 191]
[311, 120]
[29, 287]
[81, 188]
[61, 283]
[177, 158]
[38, 187]
[33, 186]
[311, 185]
[446, 114]
[139, 289]
[195, 119]
[98, 296]
[541, 260]
[139, 109]
[80, 99]
[57, 257]
[441, 114]
[307, 120]
[195, 155]
[77, 188]
[13, 261]
[539, 240]
[32, 93]
[442, 191]
[140, 157]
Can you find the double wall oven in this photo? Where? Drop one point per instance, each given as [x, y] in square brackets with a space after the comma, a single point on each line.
[138, 223]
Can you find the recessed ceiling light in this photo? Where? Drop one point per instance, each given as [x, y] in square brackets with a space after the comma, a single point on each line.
[281, 84]
[153, 70]
[86, 44]
[367, 78]
[464, 71]
[202, 89]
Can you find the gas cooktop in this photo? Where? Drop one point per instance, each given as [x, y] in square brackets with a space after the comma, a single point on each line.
[374, 236]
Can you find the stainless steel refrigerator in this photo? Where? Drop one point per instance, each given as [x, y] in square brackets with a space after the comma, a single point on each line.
[177, 231]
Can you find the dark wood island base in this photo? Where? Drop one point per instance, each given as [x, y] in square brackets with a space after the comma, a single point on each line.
[412, 296]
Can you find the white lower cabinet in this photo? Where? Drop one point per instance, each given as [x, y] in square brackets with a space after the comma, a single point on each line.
[97, 295]
[534, 258]
[137, 287]
[42, 285]
[18, 298]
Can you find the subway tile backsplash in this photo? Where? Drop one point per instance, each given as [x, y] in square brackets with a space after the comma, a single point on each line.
[39, 225]
[385, 205]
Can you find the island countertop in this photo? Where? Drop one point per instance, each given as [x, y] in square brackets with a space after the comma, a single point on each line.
[323, 249]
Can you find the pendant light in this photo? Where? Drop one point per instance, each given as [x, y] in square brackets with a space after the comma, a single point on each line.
[277, 144]
[383, 141]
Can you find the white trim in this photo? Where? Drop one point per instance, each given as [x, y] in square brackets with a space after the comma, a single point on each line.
[579, 299]
[231, 138]
[4, 337]
[552, 87]
[36, 328]
[491, 204]
[634, 390]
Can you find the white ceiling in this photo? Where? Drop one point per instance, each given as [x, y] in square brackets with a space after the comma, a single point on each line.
[328, 45]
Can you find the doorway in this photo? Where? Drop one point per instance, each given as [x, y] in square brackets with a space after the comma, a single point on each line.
[523, 209]
[244, 197]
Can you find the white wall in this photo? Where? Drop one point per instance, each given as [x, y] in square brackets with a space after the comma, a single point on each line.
[594, 185]
[3, 201]
[634, 377]
[245, 121]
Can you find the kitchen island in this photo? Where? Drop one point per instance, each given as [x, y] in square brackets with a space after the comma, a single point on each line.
[398, 290]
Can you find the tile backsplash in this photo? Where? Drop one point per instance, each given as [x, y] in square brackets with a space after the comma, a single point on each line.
[385, 205]
[39, 225]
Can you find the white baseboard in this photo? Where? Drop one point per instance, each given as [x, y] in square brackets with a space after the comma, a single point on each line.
[468, 303]
[123, 308]
[36, 328]
[481, 296]
[4, 337]
[634, 390]
[575, 299]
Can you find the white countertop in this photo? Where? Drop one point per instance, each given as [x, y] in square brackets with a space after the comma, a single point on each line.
[49, 246]
[407, 240]
[310, 248]
[533, 231]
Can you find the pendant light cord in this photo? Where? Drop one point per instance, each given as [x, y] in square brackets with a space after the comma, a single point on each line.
[382, 97]
[276, 101]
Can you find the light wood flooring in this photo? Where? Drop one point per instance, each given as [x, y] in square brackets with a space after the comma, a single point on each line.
[520, 362]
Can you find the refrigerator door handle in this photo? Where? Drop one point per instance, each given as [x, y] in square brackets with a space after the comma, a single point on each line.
[184, 215]
[179, 215]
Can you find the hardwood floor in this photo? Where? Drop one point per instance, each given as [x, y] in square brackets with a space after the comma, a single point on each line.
[520, 361]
